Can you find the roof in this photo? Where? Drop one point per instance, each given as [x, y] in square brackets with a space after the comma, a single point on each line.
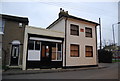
[73, 17]
[66, 15]
[43, 32]
[15, 18]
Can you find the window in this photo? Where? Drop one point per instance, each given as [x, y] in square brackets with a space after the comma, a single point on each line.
[37, 45]
[34, 45]
[2, 23]
[15, 50]
[74, 50]
[88, 32]
[53, 53]
[57, 52]
[89, 51]
[74, 30]
[34, 50]
[31, 45]
[20, 24]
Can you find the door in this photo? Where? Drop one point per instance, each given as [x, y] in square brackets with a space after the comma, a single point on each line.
[46, 56]
[14, 55]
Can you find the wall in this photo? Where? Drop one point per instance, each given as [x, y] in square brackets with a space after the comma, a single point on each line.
[81, 40]
[59, 26]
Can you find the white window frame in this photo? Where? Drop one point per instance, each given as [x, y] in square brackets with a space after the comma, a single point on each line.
[57, 52]
[20, 25]
[34, 51]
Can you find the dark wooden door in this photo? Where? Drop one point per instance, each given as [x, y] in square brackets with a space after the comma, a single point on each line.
[46, 55]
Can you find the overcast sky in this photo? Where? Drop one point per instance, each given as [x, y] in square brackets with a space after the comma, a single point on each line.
[42, 14]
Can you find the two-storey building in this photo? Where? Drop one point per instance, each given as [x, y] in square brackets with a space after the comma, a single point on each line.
[80, 40]
[13, 29]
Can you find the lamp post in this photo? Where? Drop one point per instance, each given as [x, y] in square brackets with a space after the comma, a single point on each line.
[114, 36]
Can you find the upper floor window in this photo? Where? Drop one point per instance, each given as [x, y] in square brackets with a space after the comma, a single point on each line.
[74, 30]
[89, 51]
[88, 32]
[2, 22]
[20, 24]
[74, 50]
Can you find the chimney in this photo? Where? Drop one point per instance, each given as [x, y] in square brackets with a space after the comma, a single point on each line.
[63, 13]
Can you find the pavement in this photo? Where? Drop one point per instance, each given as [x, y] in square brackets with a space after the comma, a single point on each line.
[52, 70]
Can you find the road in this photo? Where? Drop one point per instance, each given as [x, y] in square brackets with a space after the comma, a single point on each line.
[111, 72]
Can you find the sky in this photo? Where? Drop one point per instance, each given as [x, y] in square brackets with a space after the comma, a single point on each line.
[43, 13]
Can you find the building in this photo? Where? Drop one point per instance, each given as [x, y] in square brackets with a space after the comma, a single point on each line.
[13, 40]
[80, 40]
[68, 42]
[0, 45]
[43, 48]
[119, 24]
[1, 33]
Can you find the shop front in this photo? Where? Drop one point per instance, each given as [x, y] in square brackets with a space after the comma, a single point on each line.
[44, 52]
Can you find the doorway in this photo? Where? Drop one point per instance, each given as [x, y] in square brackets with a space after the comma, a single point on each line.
[14, 55]
[46, 54]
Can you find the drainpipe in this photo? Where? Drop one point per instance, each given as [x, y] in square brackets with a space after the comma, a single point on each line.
[97, 59]
[65, 38]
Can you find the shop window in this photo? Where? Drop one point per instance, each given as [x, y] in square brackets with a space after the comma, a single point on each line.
[57, 52]
[34, 50]
[31, 45]
[37, 45]
[34, 45]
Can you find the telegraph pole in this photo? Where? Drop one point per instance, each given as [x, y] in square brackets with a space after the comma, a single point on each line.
[114, 39]
[113, 34]
[100, 33]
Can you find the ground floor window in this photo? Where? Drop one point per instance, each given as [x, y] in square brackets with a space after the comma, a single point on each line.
[89, 51]
[34, 50]
[39, 50]
[74, 50]
[57, 52]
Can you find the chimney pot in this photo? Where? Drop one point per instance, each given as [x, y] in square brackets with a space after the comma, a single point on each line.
[67, 12]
